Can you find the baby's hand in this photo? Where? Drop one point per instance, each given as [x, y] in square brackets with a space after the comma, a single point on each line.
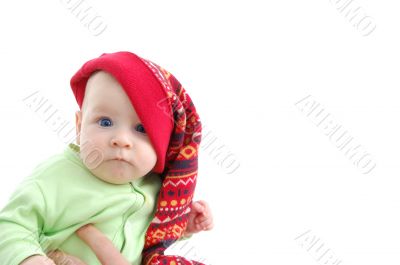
[37, 260]
[200, 218]
[61, 258]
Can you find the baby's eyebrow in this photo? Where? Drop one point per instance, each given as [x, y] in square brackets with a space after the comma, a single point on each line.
[101, 109]
[104, 110]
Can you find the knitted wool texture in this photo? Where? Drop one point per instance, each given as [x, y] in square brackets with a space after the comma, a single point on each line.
[174, 128]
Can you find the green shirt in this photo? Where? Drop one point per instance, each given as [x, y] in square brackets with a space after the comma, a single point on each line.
[60, 196]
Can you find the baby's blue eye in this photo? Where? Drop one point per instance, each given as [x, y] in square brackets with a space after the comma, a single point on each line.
[105, 122]
[140, 128]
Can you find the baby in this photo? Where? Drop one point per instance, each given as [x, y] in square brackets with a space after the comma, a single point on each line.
[132, 174]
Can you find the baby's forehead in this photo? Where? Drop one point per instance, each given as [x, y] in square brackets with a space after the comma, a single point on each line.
[95, 104]
[98, 105]
[99, 88]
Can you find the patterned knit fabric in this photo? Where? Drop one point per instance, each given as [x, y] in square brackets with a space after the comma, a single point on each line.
[179, 177]
[179, 170]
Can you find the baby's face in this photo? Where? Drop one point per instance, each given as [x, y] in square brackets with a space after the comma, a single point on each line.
[114, 144]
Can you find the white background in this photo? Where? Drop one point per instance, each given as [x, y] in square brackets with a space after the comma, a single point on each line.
[245, 64]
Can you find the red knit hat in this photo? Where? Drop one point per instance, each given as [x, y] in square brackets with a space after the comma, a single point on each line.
[174, 128]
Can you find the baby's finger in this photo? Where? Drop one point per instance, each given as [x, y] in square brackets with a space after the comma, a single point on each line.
[56, 256]
[61, 258]
[205, 225]
[206, 208]
[202, 218]
[204, 204]
[197, 207]
[75, 260]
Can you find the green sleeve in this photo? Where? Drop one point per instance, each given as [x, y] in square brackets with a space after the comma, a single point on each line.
[21, 222]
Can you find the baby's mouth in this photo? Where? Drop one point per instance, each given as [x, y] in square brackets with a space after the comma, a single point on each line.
[119, 159]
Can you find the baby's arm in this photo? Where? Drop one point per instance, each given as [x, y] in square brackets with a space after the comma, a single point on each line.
[21, 221]
[104, 249]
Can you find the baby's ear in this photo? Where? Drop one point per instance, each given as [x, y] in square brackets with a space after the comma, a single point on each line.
[78, 124]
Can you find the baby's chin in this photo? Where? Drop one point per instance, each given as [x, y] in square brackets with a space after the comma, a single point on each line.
[115, 175]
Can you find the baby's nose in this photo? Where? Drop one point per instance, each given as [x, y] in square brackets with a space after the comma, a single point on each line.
[121, 141]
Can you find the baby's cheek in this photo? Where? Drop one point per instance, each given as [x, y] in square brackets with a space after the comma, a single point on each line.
[91, 156]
